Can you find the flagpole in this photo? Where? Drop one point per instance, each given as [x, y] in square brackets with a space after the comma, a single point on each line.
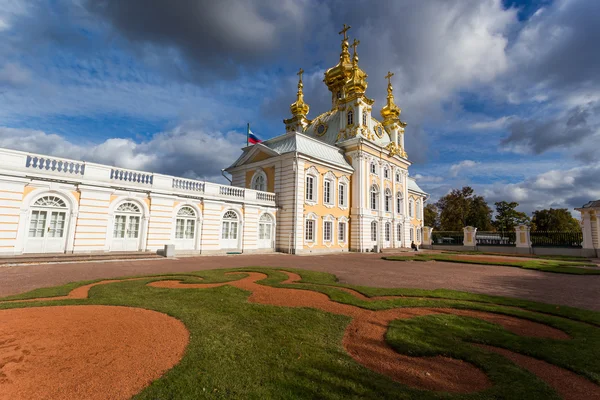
[248, 135]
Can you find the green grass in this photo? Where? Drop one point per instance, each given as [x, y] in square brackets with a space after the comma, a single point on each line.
[545, 257]
[240, 350]
[561, 267]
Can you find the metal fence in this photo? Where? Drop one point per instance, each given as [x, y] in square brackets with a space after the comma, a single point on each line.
[496, 238]
[454, 238]
[556, 239]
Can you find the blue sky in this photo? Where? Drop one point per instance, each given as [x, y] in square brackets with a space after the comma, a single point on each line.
[500, 95]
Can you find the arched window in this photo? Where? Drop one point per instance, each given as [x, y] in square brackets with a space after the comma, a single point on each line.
[419, 235]
[374, 197]
[185, 223]
[230, 225]
[373, 168]
[411, 208]
[364, 115]
[386, 172]
[418, 212]
[399, 203]
[350, 117]
[388, 200]
[329, 189]
[48, 218]
[339, 94]
[398, 176]
[374, 231]
[388, 230]
[127, 221]
[259, 182]
[265, 227]
[412, 234]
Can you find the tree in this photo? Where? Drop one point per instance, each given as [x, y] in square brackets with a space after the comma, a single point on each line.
[507, 217]
[461, 207]
[430, 214]
[554, 219]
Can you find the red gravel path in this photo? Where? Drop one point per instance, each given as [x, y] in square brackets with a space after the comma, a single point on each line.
[353, 268]
[85, 352]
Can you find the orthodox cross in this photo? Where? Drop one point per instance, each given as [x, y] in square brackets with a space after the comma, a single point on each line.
[354, 44]
[343, 31]
[300, 74]
[389, 77]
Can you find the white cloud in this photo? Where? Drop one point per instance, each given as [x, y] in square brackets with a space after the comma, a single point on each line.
[428, 179]
[465, 164]
[12, 74]
[494, 124]
[183, 151]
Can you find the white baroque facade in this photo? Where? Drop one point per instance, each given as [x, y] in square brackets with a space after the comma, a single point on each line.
[56, 205]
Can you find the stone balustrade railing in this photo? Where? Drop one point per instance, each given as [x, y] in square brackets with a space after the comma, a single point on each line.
[45, 167]
[44, 163]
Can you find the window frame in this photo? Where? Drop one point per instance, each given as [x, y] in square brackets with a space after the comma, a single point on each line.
[350, 117]
[388, 201]
[342, 226]
[310, 220]
[374, 233]
[374, 198]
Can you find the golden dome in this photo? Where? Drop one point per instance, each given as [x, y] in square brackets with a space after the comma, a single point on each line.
[390, 111]
[357, 84]
[336, 76]
[299, 107]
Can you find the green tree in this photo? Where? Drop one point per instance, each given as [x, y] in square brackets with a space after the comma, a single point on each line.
[461, 207]
[554, 219]
[430, 214]
[507, 217]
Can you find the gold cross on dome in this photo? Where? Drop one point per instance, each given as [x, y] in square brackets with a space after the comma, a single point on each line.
[343, 31]
[389, 77]
[354, 44]
[300, 73]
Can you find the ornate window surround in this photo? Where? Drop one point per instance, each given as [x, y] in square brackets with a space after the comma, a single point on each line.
[259, 173]
[343, 181]
[314, 173]
[329, 177]
[330, 220]
[310, 217]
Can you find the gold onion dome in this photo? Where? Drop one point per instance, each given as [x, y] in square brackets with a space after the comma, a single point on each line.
[336, 76]
[299, 107]
[357, 84]
[390, 111]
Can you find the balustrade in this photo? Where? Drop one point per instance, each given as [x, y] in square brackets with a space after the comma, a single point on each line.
[131, 176]
[55, 165]
[188, 184]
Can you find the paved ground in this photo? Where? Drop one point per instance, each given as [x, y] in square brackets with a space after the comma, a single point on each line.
[354, 268]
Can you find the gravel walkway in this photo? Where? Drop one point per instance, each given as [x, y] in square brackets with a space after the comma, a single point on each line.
[354, 268]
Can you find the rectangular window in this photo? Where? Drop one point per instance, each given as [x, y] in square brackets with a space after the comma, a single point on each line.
[342, 195]
[309, 234]
[373, 200]
[399, 233]
[190, 229]
[133, 228]
[233, 230]
[412, 234]
[225, 231]
[38, 224]
[373, 231]
[341, 232]
[179, 228]
[387, 232]
[119, 231]
[327, 231]
[418, 234]
[327, 192]
[310, 186]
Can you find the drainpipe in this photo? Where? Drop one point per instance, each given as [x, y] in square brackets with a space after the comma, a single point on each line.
[295, 211]
[225, 176]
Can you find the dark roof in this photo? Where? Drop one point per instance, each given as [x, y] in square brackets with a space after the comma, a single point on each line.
[592, 204]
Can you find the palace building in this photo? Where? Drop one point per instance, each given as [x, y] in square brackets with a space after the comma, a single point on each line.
[335, 183]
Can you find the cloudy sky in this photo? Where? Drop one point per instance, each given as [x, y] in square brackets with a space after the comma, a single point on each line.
[502, 95]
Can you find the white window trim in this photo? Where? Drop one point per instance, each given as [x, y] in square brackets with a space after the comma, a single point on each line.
[330, 177]
[377, 199]
[388, 207]
[331, 220]
[342, 220]
[346, 182]
[371, 231]
[418, 209]
[311, 217]
[399, 199]
[411, 205]
[389, 172]
[314, 173]
[259, 173]
[371, 164]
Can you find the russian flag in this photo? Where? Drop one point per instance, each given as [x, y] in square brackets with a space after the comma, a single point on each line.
[252, 138]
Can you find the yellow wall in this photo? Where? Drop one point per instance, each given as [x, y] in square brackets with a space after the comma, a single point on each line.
[269, 171]
[321, 210]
